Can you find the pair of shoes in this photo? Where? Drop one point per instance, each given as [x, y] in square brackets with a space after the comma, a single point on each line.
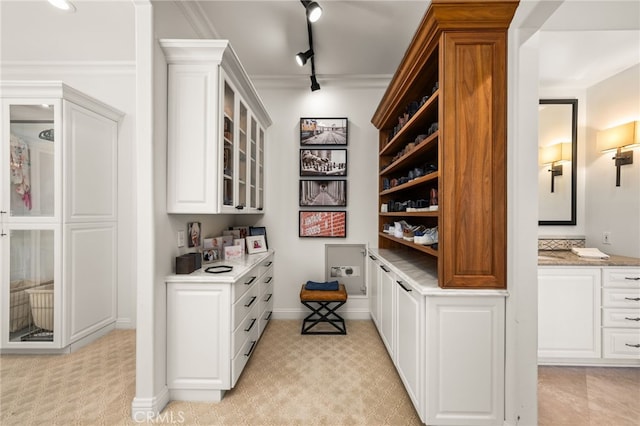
[430, 236]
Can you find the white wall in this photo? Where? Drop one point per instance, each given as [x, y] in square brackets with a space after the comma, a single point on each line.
[94, 54]
[302, 259]
[609, 208]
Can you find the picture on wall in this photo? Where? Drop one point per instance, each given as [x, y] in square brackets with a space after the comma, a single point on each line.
[323, 193]
[193, 229]
[327, 224]
[323, 131]
[323, 162]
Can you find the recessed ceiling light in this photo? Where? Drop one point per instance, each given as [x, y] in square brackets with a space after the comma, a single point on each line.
[65, 5]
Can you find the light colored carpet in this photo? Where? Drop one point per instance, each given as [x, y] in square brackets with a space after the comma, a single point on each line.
[290, 380]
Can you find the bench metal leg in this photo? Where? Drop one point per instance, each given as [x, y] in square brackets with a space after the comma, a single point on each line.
[324, 312]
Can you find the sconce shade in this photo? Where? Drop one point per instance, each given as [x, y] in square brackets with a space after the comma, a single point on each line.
[555, 153]
[314, 11]
[621, 136]
[302, 57]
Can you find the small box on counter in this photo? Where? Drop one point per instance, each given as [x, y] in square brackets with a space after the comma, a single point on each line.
[185, 264]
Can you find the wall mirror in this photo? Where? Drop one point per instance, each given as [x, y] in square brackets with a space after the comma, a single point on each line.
[557, 165]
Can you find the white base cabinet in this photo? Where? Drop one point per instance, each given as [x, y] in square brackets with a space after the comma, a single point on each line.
[589, 316]
[58, 217]
[447, 345]
[213, 325]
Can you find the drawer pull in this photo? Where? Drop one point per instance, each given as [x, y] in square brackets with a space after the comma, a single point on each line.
[268, 264]
[403, 287]
[269, 316]
[635, 299]
[250, 281]
[268, 280]
[383, 268]
[633, 346]
[253, 299]
[253, 321]
[253, 345]
[632, 278]
[632, 319]
[372, 257]
[271, 294]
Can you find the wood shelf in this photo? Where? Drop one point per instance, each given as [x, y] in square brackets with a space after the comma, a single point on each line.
[410, 214]
[419, 247]
[416, 182]
[428, 143]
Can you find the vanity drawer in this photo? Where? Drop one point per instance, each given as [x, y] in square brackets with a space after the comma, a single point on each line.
[621, 343]
[266, 282]
[245, 330]
[241, 358]
[627, 277]
[244, 305]
[265, 265]
[245, 282]
[617, 317]
[621, 298]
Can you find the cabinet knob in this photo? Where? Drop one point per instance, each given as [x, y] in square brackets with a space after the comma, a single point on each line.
[632, 278]
[253, 345]
[635, 299]
[632, 346]
[383, 268]
[632, 319]
[239, 207]
[403, 287]
[253, 299]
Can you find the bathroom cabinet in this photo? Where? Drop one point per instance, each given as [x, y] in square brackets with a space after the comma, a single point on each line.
[58, 217]
[447, 345]
[216, 126]
[214, 322]
[373, 278]
[589, 315]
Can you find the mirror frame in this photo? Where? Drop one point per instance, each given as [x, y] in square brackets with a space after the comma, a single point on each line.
[574, 158]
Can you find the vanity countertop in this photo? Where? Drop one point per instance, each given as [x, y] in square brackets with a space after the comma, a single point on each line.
[568, 258]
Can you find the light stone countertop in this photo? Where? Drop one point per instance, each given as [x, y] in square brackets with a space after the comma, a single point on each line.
[240, 267]
[568, 258]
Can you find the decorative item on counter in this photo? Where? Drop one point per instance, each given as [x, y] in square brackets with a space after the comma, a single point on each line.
[235, 233]
[210, 255]
[185, 264]
[240, 242]
[256, 244]
[233, 252]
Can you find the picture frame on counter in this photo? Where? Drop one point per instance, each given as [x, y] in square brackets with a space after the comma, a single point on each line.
[256, 244]
[259, 230]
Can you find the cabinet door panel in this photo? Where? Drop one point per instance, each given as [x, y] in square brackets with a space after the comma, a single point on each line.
[409, 342]
[387, 311]
[569, 313]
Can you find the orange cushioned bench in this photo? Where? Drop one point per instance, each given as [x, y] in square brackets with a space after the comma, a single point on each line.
[323, 304]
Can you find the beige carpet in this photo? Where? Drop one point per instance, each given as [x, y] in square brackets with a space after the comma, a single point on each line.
[290, 380]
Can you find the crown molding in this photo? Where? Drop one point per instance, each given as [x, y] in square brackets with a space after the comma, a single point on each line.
[197, 18]
[68, 67]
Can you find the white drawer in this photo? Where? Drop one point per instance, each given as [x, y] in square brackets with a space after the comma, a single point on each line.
[265, 265]
[267, 311]
[621, 343]
[621, 298]
[241, 358]
[244, 305]
[619, 317]
[621, 277]
[244, 331]
[245, 282]
[266, 282]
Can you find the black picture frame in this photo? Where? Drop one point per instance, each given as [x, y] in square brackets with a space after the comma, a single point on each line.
[322, 193]
[259, 230]
[324, 131]
[322, 224]
[325, 162]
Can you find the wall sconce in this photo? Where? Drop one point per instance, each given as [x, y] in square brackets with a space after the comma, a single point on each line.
[553, 155]
[616, 138]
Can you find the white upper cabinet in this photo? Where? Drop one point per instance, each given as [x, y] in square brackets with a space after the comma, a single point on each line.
[216, 130]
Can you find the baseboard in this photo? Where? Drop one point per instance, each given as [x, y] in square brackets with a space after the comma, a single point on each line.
[124, 324]
[145, 410]
[92, 337]
[299, 314]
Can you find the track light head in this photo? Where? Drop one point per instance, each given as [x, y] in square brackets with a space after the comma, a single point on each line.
[314, 83]
[302, 57]
[314, 11]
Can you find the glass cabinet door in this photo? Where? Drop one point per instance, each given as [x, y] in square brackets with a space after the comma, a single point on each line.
[31, 179]
[261, 170]
[253, 173]
[242, 157]
[228, 150]
[32, 285]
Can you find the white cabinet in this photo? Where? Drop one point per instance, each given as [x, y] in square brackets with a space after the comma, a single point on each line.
[213, 325]
[621, 314]
[58, 214]
[569, 313]
[216, 131]
[373, 273]
[447, 345]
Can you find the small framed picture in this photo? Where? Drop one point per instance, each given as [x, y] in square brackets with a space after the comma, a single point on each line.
[193, 234]
[256, 244]
[323, 131]
[259, 230]
[323, 193]
[323, 162]
[326, 224]
[210, 255]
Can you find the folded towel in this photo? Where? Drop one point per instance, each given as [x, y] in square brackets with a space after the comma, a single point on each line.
[329, 285]
[591, 253]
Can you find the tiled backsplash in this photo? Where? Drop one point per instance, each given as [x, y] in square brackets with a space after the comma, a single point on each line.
[559, 243]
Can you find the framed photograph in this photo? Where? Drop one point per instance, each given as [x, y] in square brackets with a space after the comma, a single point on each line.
[259, 230]
[323, 162]
[256, 244]
[244, 231]
[323, 193]
[193, 234]
[324, 224]
[210, 255]
[323, 131]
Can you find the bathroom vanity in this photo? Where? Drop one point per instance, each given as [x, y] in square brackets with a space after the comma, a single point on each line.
[588, 310]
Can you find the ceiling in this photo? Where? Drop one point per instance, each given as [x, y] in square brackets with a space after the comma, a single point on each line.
[582, 42]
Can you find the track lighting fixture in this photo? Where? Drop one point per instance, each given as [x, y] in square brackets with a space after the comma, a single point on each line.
[314, 83]
[66, 5]
[302, 57]
[314, 11]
